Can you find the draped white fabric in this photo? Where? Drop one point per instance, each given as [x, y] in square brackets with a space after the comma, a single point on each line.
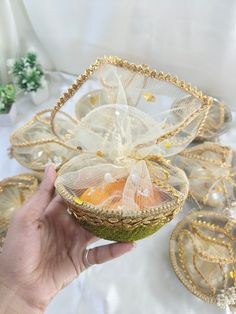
[17, 37]
[194, 39]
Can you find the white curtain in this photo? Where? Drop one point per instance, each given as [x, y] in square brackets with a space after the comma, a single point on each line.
[194, 39]
[17, 36]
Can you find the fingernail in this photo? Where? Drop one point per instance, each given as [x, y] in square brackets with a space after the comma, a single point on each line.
[132, 246]
[48, 168]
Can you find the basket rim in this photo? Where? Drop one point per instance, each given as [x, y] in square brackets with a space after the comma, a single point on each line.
[89, 208]
[165, 208]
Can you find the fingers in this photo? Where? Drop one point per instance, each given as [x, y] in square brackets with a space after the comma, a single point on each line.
[106, 253]
[57, 205]
[91, 239]
[41, 199]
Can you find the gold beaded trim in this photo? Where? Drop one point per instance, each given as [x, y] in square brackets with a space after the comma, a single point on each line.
[143, 70]
[217, 125]
[20, 181]
[193, 153]
[38, 116]
[101, 216]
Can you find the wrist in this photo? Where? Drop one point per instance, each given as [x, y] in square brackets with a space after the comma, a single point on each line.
[13, 300]
[11, 303]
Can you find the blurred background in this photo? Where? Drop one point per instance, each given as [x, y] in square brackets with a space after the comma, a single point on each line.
[194, 39]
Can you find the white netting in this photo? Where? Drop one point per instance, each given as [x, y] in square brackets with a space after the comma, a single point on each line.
[114, 170]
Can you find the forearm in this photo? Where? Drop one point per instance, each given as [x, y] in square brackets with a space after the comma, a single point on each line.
[11, 303]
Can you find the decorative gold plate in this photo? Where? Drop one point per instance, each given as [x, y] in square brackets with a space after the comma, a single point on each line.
[211, 171]
[34, 145]
[203, 256]
[14, 191]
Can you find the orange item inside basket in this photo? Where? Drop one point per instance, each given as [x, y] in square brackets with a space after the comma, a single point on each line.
[96, 196]
[99, 195]
[145, 201]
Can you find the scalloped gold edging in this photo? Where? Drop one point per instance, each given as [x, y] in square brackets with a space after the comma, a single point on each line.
[131, 220]
[143, 70]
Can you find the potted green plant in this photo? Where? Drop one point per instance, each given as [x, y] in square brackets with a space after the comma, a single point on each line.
[29, 77]
[7, 108]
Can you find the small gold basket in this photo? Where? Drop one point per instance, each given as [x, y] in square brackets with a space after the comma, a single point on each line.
[119, 225]
[109, 83]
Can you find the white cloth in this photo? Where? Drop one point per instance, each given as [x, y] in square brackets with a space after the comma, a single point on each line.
[142, 281]
[17, 37]
[195, 40]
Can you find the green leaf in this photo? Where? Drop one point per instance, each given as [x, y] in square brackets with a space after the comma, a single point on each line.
[28, 73]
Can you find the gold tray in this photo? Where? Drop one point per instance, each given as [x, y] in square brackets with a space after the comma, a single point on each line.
[34, 145]
[14, 191]
[211, 170]
[203, 255]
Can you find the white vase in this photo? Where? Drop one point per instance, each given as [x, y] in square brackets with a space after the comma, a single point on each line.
[41, 95]
[8, 119]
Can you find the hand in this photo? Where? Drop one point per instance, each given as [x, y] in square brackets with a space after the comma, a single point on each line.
[45, 249]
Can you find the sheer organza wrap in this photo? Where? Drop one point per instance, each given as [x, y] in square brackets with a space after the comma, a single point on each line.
[203, 255]
[163, 97]
[218, 119]
[34, 145]
[129, 118]
[211, 171]
[115, 169]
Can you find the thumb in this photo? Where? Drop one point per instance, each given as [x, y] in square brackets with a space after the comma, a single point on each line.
[42, 198]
